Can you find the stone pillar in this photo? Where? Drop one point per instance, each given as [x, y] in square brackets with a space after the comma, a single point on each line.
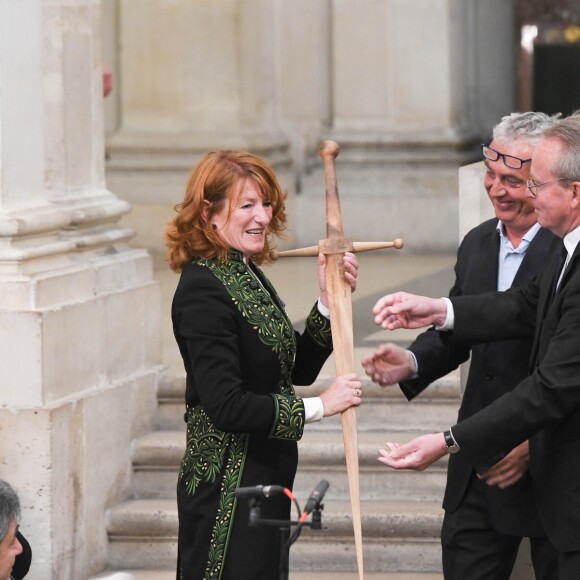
[474, 204]
[303, 79]
[79, 311]
[474, 208]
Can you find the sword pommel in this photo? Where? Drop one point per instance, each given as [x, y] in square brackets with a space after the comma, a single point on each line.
[329, 149]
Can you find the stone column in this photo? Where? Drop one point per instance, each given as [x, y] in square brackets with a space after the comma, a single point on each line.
[79, 311]
[411, 98]
[195, 76]
[474, 204]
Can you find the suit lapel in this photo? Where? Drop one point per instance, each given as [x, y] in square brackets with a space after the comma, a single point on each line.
[545, 297]
[569, 268]
[537, 256]
[487, 263]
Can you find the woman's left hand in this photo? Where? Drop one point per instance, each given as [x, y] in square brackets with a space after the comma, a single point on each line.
[350, 274]
[344, 392]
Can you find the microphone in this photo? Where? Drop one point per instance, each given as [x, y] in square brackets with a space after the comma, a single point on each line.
[258, 491]
[315, 498]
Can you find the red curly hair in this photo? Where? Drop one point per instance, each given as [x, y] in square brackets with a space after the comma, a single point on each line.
[217, 179]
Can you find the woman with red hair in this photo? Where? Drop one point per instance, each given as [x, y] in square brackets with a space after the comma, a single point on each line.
[242, 359]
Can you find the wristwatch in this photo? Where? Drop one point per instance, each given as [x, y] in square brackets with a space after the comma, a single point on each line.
[452, 446]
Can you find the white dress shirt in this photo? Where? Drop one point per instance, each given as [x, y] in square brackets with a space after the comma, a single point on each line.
[571, 240]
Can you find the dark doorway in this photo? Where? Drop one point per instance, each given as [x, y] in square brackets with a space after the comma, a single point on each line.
[549, 70]
[556, 74]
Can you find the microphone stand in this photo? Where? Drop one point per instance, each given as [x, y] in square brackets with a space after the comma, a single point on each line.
[284, 526]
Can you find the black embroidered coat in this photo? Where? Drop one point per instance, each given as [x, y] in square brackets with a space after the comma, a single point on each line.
[242, 358]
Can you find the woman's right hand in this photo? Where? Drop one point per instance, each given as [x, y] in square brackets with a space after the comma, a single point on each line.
[350, 262]
[344, 392]
[404, 310]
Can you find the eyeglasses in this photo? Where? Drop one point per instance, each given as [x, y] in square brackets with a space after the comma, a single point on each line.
[508, 160]
[533, 186]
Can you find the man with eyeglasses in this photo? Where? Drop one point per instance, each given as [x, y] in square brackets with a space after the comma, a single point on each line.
[545, 406]
[486, 519]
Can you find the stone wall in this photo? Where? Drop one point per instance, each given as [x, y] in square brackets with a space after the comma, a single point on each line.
[79, 309]
[408, 90]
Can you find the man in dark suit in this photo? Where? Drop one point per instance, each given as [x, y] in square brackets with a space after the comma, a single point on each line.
[545, 406]
[484, 524]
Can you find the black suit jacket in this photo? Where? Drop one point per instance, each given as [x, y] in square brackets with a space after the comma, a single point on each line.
[23, 560]
[495, 369]
[545, 406]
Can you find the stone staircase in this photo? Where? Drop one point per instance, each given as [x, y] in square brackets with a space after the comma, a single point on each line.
[401, 513]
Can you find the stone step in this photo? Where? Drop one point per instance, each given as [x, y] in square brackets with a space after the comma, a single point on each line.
[382, 408]
[321, 456]
[156, 458]
[412, 556]
[447, 388]
[135, 575]
[401, 511]
[313, 575]
[310, 575]
[397, 537]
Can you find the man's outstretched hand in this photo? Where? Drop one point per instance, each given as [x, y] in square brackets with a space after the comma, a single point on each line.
[418, 454]
[404, 310]
[389, 365]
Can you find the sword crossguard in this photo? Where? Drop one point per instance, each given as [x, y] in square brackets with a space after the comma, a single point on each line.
[355, 247]
[335, 245]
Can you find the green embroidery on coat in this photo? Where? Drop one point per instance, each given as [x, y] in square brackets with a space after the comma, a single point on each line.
[318, 327]
[205, 450]
[221, 532]
[256, 305]
[290, 424]
[208, 449]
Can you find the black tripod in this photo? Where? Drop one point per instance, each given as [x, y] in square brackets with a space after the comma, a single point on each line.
[313, 506]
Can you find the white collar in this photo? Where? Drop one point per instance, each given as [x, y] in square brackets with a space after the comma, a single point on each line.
[571, 240]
